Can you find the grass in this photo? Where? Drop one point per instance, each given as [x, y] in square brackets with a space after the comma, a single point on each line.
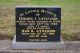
[70, 15]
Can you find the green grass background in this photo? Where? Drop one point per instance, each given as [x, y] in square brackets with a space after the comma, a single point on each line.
[70, 21]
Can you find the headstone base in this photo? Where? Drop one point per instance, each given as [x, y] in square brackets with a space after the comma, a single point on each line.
[37, 45]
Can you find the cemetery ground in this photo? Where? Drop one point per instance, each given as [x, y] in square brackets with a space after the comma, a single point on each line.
[70, 22]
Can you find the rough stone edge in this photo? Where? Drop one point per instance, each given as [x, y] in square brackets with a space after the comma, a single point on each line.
[37, 45]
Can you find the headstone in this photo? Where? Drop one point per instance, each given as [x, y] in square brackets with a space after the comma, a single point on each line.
[38, 28]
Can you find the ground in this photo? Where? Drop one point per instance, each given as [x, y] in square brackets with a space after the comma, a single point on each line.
[69, 47]
[70, 20]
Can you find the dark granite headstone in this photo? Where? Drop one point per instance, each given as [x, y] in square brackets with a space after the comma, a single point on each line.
[38, 28]
[38, 24]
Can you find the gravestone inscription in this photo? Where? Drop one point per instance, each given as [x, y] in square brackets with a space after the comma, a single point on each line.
[38, 24]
